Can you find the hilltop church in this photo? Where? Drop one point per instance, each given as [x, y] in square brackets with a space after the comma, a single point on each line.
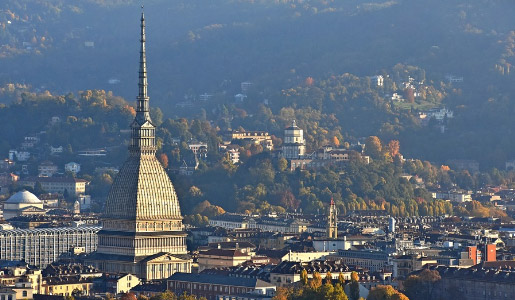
[142, 230]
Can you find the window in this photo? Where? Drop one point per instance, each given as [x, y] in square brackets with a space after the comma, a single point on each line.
[24, 294]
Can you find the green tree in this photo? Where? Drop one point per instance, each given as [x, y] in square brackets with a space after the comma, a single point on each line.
[339, 293]
[282, 164]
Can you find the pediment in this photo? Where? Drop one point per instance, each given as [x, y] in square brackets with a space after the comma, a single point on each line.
[32, 209]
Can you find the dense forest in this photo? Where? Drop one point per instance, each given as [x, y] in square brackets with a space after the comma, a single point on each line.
[261, 183]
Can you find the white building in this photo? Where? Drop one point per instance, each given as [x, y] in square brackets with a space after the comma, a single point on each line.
[198, 148]
[84, 202]
[21, 204]
[47, 169]
[72, 167]
[239, 97]
[294, 146]
[19, 155]
[56, 150]
[41, 247]
[234, 155]
[377, 80]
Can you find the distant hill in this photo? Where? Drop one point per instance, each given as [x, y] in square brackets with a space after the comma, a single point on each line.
[197, 47]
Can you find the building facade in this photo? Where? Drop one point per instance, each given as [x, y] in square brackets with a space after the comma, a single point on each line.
[210, 286]
[60, 185]
[332, 221]
[41, 247]
[294, 146]
[142, 230]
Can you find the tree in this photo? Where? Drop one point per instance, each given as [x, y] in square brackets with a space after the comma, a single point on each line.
[163, 159]
[329, 278]
[326, 292]
[316, 282]
[38, 189]
[336, 141]
[167, 295]
[282, 294]
[128, 296]
[282, 164]
[341, 279]
[373, 147]
[354, 286]
[304, 277]
[393, 148]
[288, 200]
[339, 293]
[385, 292]
[422, 285]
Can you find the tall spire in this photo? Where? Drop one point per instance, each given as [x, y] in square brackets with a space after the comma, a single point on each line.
[143, 131]
[142, 110]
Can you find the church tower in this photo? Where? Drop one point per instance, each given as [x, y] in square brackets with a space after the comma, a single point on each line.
[294, 146]
[142, 230]
[332, 221]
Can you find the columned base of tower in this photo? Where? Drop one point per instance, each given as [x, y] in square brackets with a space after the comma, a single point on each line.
[154, 267]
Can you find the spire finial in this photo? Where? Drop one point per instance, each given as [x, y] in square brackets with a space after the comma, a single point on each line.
[142, 109]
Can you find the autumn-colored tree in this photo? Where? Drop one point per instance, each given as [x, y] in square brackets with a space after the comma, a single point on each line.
[354, 286]
[393, 148]
[336, 141]
[316, 282]
[143, 297]
[163, 159]
[309, 81]
[304, 277]
[282, 293]
[385, 292]
[128, 296]
[444, 168]
[325, 292]
[329, 278]
[341, 279]
[287, 200]
[422, 285]
[373, 147]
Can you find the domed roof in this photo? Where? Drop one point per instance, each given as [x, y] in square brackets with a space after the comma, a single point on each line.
[142, 191]
[24, 197]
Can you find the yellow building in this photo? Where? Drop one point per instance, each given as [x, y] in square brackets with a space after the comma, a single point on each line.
[67, 286]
